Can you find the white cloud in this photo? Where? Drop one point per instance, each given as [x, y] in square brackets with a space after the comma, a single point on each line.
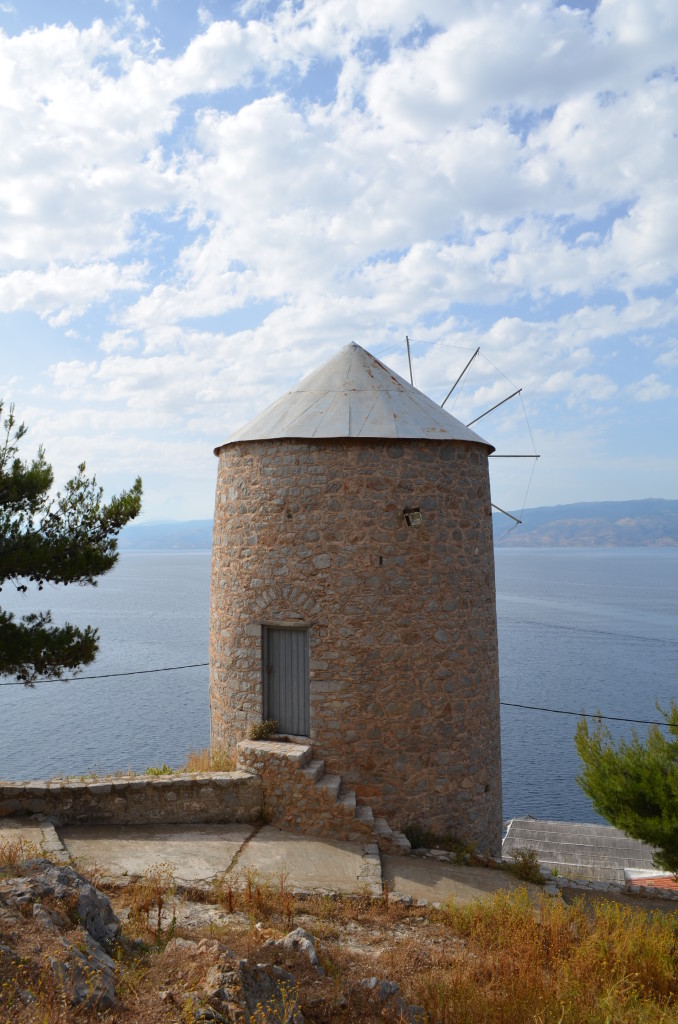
[61, 293]
[669, 359]
[212, 224]
[651, 389]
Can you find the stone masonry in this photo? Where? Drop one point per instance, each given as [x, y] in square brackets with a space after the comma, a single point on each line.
[292, 801]
[300, 797]
[137, 800]
[402, 623]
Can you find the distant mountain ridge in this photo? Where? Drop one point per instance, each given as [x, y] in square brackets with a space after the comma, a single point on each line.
[650, 522]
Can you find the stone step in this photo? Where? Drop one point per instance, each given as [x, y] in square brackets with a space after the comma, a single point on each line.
[314, 770]
[297, 754]
[347, 800]
[355, 823]
[331, 783]
[364, 814]
[400, 841]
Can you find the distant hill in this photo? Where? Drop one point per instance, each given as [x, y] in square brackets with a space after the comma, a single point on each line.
[651, 522]
[190, 535]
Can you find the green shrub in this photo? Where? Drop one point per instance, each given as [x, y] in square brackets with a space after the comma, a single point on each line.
[525, 865]
[162, 769]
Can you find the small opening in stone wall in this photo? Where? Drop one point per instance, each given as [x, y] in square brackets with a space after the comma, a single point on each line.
[487, 788]
[381, 559]
[413, 517]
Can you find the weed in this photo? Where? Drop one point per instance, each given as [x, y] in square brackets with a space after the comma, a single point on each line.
[559, 963]
[163, 769]
[281, 1010]
[224, 890]
[262, 730]
[286, 900]
[502, 960]
[93, 872]
[151, 893]
[14, 852]
[95, 775]
[524, 864]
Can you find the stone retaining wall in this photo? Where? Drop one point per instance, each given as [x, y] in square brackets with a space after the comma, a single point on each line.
[136, 800]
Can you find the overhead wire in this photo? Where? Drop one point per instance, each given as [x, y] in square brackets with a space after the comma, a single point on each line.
[106, 675]
[583, 714]
[205, 664]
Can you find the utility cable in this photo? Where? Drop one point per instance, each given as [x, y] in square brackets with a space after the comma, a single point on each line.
[582, 714]
[204, 664]
[107, 675]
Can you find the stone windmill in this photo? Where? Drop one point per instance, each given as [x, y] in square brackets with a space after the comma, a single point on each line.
[353, 596]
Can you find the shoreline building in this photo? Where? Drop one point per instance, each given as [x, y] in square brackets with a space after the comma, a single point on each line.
[353, 595]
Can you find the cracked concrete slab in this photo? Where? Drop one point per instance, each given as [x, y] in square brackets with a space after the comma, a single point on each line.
[425, 879]
[195, 851]
[308, 862]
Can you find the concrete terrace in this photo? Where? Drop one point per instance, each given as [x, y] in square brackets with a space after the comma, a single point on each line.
[198, 853]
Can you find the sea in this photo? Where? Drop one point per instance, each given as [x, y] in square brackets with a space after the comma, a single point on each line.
[581, 631]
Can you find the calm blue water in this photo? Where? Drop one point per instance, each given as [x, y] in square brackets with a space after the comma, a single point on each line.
[578, 630]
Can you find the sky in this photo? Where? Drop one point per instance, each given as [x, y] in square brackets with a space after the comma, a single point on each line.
[202, 202]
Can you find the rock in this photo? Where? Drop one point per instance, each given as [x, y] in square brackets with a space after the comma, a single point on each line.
[387, 989]
[414, 1014]
[238, 990]
[270, 987]
[215, 947]
[219, 982]
[19, 891]
[389, 992]
[87, 975]
[84, 971]
[51, 920]
[301, 941]
[94, 910]
[180, 943]
[208, 1013]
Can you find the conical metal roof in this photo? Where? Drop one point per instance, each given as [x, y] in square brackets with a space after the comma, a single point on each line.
[354, 395]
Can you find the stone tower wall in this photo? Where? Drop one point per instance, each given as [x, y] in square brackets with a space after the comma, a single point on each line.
[402, 622]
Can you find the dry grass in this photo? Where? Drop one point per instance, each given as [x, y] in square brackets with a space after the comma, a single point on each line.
[560, 964]
[500, 961]
[151, 895]
[15, 851]
[214, 759]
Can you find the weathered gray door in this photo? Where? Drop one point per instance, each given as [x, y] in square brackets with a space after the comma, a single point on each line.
[287, 688]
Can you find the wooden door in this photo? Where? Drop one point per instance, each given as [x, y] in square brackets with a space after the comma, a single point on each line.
[287, 687]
